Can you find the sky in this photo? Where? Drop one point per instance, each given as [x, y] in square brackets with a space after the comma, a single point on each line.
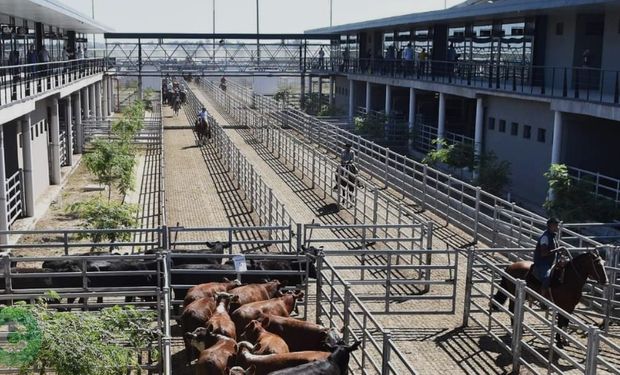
[239, 16]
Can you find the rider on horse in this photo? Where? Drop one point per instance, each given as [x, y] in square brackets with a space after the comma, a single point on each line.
[347, 158]
[545, 256]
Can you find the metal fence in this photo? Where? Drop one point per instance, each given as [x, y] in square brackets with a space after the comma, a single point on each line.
[64, 157]
[476, 212]
[337, 306]
[14, 196]
[527, 332]
[602, 186]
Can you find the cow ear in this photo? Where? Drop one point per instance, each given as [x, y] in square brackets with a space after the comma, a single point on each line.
[355, 346]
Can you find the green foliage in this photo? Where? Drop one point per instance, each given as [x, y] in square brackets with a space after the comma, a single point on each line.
[101, 214]
[328, 110]
[494, 174]
[283, 94]
[91, 343]
[112, 162]
[311, 103]
[574, 200]
[458, 155]
[372, 126]
[132, 121]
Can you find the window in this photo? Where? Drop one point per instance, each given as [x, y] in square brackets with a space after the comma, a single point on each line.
[542, 135]
[527, 131]
[502, 126]
[491, 123]
[514, 129]
[559, 28]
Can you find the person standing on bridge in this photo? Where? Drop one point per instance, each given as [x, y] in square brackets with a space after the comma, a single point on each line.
[321, 58]
[545, 256]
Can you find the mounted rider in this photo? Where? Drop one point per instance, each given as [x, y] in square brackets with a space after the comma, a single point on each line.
[546, 256]
[347, 160]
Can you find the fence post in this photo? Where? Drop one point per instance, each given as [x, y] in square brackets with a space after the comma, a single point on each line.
[346, 312]
[517, 331]
[385, 364]
[313, 166]
[429, 256]
[270, 210]
[424, 178]
[592, 350]
[477, 214]
[387, 167]
[319, 287]
[300, 235]
[469, 277]
[375, 206]
[65, 242]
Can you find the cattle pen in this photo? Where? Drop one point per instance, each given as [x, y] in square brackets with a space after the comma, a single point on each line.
[406, 265]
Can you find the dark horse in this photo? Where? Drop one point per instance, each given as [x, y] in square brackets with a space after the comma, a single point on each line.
[566, 294]
[203, 131]
[346, 179]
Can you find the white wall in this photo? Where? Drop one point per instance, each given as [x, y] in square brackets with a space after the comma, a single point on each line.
[39, 136]
[560, 49]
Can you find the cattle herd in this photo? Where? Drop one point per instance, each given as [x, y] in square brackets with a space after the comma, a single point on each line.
[248, 329]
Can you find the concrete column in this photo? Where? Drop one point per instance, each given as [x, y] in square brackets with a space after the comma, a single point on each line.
[98, 101]
[55, 136]
[91, 101]
[388, 100]
[4, 220]
[309, 85]
[332, 89]
[85, 103]
[104, 97]
[320, 93]
[368, 97]
[77, 109]
[441, 123]
[302, 91]
[29, 208]
[69, 131]
[351, 99]
[557, 137]
[478, 135]
[411, 115]
[110, 96]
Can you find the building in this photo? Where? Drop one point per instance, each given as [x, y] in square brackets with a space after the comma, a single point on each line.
[48, 86]
[535, 82]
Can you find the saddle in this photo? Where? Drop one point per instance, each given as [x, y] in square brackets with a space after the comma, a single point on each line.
[557, 276]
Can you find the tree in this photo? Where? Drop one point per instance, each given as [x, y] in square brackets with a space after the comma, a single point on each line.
[112, 162]
[371, 125]
[99, 214]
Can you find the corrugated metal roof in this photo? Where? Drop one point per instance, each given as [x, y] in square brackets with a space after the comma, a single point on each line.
[470, 9]
[54, 13]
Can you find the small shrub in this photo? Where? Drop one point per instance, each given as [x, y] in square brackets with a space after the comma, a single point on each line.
[100, 214]
[372, 126]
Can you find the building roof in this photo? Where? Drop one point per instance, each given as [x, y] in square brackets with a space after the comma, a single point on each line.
[471, 10]
[53, 13]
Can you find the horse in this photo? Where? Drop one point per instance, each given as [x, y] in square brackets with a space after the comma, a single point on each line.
[346, 181]
[566, 294]
[203, 131]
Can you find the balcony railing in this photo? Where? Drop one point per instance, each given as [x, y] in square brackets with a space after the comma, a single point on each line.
[602, 186]
[576, 83]
[19, 82]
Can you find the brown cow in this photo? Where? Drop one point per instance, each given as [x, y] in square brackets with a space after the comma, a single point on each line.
[217, 352]
[300, 335]
[280, 306]
[253, 293]
[208, 290]
[264, 364]
[238, 370]
[264, 341]
[195, 315]
[220, 323]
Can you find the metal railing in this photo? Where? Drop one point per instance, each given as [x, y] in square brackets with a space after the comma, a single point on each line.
[476, 212]
[574, 83]
[337, 307]
[532, 331]
[602, 186]
[14, 196]
[63, 149]
[19, 82]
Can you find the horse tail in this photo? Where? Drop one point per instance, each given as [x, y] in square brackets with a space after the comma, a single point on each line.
[500, 297]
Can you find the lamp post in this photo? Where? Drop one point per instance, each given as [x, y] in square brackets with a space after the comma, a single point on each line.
[93, 11]
[331, 13]
[257, 33]
[213, 30]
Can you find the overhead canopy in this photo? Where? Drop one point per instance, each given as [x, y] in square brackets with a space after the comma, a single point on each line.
[52, 13]
[471, 10]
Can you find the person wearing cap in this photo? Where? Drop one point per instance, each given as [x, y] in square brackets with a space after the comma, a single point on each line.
[347, 156]
[545, 256]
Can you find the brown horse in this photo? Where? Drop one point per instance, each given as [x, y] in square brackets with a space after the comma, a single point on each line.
[567, 294]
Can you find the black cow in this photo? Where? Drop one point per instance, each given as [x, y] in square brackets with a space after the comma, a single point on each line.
[213, 248]
[336, 364]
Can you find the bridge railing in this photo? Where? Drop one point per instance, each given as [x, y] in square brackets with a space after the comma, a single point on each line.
[532, 331]
[337, 306]
[484, 216]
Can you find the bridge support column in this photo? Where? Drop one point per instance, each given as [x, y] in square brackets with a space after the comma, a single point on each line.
[478, 136]
[302, 97]
[368, 97]
[25, 126]
[98, 101]
[320, 103]
[351, 99]
[332, 89]
[441, 123]
[104, 97]
[55, 136]
[69, 131]
[85, 103]
[411, 116]
[77, 109]
[4, 220]
[556, 147]
[91, 100]
[388, 99]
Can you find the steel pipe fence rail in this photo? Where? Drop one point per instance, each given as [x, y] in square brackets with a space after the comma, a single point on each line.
[533, 331]
[316, 168]
[278, 237]
[337, 307]
[269, 209]
[602, 186]
[14, 196]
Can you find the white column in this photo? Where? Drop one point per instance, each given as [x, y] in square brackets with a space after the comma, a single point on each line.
[368, 97]
[98, 101]
[77, 108]
[557, 137]
[478, 135]
[4, 220]
[320, 92]
[104, 97]
[69, 131]
[29, 208]
[55, 136]
[86, 102]
[332, 91]
[441, 123]
[91, 100]
[388, 99]
[411, 115]
[110, 96]
[351, 99]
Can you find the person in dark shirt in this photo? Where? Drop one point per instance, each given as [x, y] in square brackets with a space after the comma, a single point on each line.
[545, 256]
